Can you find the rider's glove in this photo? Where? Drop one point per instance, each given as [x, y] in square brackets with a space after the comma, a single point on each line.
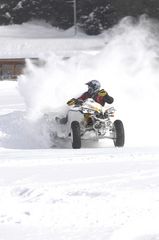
[72, 101]
[102, 93]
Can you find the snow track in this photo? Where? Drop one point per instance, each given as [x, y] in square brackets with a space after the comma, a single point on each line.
[71, 193]
[97, 192]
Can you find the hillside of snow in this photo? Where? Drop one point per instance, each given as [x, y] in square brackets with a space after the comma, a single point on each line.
[36, 39]
[98, 191]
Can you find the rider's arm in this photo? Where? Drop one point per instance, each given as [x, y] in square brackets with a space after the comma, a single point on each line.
[84, 96]
[78, 100]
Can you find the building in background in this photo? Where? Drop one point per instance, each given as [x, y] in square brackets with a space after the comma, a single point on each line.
[11, 68]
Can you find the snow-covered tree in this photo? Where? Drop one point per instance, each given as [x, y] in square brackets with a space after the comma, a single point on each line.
[91, 25]
[93, 16]
[6, 11]
[151, 8]
[101, 17]
[57, 12]
[22, 11]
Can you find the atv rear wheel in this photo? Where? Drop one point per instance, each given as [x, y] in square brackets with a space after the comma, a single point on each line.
[119, 139]
[76, 137]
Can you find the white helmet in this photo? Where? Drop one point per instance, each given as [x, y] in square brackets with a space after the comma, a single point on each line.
[93, 86]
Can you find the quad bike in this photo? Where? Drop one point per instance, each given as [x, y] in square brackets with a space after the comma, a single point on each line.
[91, 121]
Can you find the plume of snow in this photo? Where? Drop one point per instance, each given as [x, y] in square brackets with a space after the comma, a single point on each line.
[128, 68]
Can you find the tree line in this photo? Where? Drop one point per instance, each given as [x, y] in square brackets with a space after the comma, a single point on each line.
[93, 16]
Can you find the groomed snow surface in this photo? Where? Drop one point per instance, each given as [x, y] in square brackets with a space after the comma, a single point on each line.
[98, 192]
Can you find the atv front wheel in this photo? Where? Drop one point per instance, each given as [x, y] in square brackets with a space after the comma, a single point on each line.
[119, 138]
[76, 137]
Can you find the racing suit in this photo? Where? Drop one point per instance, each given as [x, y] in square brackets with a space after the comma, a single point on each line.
[100, 97]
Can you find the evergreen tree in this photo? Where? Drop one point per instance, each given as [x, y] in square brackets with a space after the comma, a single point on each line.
[63, 13]
[91, 25]
[93, 16]
[151, 8]
[106, 15]
[6, 11]
[22, 11]
[56, 12]
[102, 16]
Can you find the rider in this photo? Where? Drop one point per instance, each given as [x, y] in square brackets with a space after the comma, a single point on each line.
[94, 92]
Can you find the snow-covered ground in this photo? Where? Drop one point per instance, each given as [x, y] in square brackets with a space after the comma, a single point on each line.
[36, 39]
[97, 192]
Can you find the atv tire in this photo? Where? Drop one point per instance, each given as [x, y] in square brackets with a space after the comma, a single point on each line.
[76, 137]
[119, 139]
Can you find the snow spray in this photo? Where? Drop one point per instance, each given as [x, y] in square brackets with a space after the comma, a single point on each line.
[128, 68]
